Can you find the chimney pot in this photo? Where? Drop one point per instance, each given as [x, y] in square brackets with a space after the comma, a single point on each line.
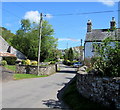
[89, 26]
[113, 23]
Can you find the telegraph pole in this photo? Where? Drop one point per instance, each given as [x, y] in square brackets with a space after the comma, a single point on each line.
[81, 42]
[80, 58]
[39, 49]
[81, 50]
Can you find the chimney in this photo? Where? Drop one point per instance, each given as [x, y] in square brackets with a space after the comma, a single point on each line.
[113, 24]
[89, 26]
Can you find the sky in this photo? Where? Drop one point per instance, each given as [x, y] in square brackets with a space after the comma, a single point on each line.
[69, 28]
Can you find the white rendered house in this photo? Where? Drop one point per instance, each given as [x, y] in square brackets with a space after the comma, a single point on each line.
[98, 35]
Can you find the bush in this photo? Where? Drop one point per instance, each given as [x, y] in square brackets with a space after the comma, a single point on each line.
[87, 62]
[34, 63]
[67, 62]
[10, 60]
[75, 61]
[108, 60]
[3, 62]
[27, 62]
[23, 62]
[52, 62]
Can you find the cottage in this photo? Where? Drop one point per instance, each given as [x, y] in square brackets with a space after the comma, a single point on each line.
[8, 51]
[98, 35]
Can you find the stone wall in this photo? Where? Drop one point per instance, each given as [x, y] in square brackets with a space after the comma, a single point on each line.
[27, 69]
[103, 90]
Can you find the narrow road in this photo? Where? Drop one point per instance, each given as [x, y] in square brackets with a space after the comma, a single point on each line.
[36, 92]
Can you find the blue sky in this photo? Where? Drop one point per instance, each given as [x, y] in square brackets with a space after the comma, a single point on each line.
[69, 29]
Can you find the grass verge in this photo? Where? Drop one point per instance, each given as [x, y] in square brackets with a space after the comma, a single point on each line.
[10, 67]
[26, 76]
[77, 102]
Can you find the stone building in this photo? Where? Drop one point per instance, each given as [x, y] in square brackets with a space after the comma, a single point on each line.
[98, 35]
[8, 51]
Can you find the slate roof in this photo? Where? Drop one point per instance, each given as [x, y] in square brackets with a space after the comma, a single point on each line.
[6, 50]
[101, 34]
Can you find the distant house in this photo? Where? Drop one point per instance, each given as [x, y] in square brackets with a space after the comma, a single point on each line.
[8, 51]
[98, 35]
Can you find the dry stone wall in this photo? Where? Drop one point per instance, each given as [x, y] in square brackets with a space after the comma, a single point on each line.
[103, 90]
[27, 69]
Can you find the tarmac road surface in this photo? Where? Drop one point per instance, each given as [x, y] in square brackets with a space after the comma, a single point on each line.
[36, 92]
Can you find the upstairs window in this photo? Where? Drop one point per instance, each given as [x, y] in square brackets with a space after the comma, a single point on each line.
[95, 46]
[9, 49]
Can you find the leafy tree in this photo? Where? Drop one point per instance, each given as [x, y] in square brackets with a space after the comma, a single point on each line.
[6, 34]
[78, 54]
[66, 55]
[25, 25]
[70, 54]
[107, 61]
[26, 40]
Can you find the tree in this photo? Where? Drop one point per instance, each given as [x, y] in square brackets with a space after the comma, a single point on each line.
[70, 54]
[6, 34]
[25, 25]
[107, 61]
[66, 54]
[26, 40]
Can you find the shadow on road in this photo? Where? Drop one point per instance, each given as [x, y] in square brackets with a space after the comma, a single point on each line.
[58, 104]
[52, 103]
[61, 84]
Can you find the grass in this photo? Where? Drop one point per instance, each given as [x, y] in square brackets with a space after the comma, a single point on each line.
[22, 76]
[77, 102]
[10, 67]
[26, 76]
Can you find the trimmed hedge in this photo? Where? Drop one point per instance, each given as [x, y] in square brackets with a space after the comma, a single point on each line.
[10, 60]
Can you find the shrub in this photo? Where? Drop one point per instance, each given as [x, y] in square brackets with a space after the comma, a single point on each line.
[108, 60]
[87, 62]
[27, 62]
[10, 60]
[52, 62]
[3, 62]
[34, 63]
[49, 63]
[23, 62]
[67, 62]
[75, 61]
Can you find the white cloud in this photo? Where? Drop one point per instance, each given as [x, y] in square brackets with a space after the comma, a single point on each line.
[107, 2]
[33, 16]
[68, 39]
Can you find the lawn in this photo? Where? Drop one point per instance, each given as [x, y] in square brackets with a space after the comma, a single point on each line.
[22, 76]
[25, 76]
[10, 67]
[77, 102]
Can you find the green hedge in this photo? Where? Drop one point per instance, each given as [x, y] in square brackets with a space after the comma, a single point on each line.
[3, 62]
[10, 60]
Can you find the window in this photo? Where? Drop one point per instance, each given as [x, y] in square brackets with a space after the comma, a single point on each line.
[9, 49]
[95, 45]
